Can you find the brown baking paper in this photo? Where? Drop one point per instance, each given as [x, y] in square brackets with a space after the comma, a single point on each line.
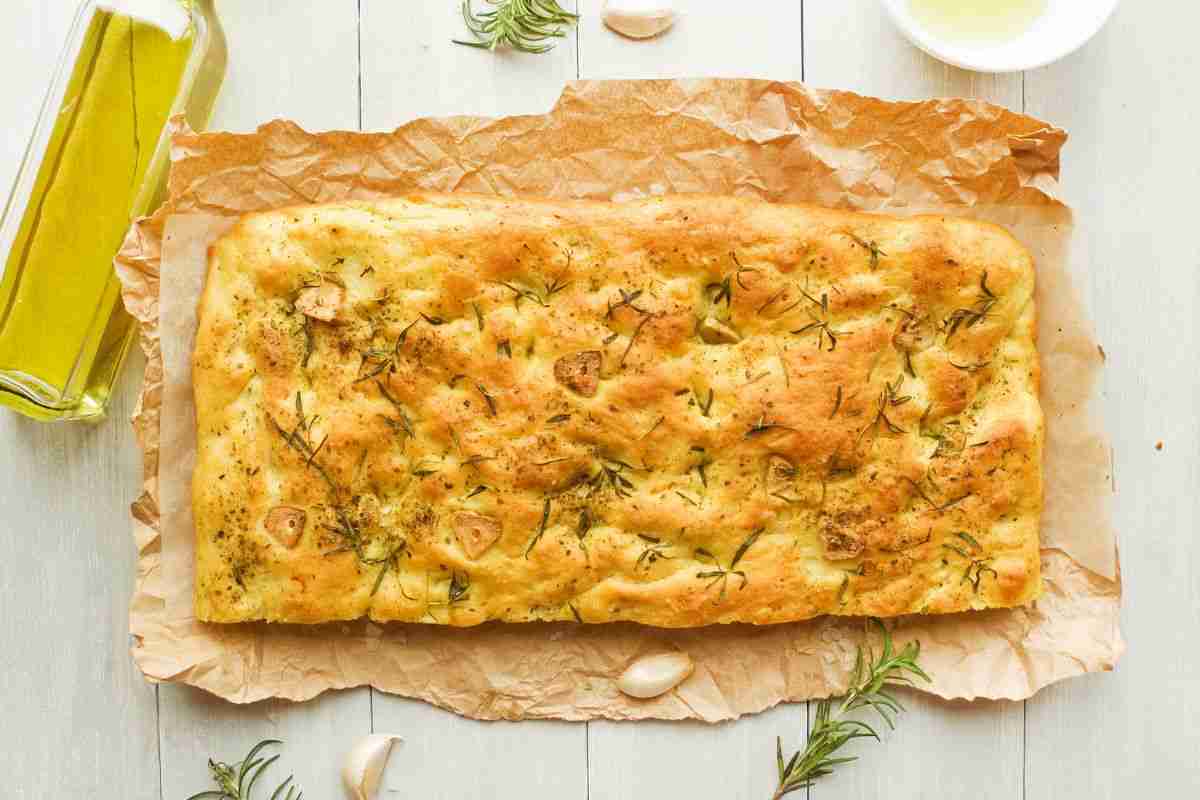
[776, 141]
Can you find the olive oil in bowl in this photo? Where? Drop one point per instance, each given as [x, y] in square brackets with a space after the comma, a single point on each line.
[96, 161]
[978, 21]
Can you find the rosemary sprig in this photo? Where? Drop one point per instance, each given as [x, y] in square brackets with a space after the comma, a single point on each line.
[520, 294]
[872, 248]
[353, 540]
[487, 398]
[702, 466]
[523, 25]
[541, 527]
[719, 574]
[236, 781]
[653, 549]
[299, 439]
[309, 344]
[870, 688]
[936, 506]
[557, 284]
[977, 564]
[585, 525]
[636, 332]
[973, 315]
[890, 397]
[456, 592]
[820, 322]
[405, 424]
[627, 300]
[763, 426]
[610, 473]
[724, 291]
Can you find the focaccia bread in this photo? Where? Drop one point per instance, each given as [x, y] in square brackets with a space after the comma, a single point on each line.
[677, 411]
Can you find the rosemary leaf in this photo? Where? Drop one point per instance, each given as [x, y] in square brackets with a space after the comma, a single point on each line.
[541, 528]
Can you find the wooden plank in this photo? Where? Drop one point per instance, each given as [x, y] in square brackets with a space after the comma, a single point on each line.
[711, 39]
[197, 726]
[411, 68]
[853, 45]
[938, 749]
[298, 62]
[79, 719]
[447, 757]
[1128, 100]
[692, 759]
[422, 73]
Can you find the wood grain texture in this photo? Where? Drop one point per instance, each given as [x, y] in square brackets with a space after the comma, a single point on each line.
[447, 757]
[197, 726]
[411, 68]
[710, 39]
[296, 59]
[690, 759]
[1129, 101]
[78, 719]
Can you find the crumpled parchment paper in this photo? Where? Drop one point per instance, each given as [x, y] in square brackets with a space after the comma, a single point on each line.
[776, 141]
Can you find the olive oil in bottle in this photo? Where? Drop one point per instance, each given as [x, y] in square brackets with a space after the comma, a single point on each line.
[97, 160]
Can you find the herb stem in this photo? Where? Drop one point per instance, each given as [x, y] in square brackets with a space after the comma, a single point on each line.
[870, 688]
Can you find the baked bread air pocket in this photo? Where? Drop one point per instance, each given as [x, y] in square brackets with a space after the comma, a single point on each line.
[677, 411]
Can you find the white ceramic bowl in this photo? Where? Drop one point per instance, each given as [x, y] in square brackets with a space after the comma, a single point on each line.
[1061, 29]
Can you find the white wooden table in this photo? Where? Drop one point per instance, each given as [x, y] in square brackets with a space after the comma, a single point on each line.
[79, 722]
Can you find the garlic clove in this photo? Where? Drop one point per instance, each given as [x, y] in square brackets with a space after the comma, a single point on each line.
[639, 19]
[320, 302]
[362, 769]
[713, 331]
[286, 524]
[651, 676]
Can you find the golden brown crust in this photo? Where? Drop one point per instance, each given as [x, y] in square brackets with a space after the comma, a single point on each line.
[678, 411]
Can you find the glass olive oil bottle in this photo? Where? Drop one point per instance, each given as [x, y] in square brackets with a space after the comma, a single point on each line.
[97, 160]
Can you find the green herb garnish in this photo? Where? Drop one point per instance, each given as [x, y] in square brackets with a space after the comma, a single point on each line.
[541, 527]
[973, 315]
[820, 322]
[528, 26]
[870, 688]
[652, 550]
[236, 781]
[719, 574]
[872, 248]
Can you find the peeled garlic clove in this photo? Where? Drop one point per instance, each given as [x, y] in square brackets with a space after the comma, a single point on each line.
[713, 331]
[639, 19]
[320, 302]
[363, 767]
[286, 524]
[651, 676]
